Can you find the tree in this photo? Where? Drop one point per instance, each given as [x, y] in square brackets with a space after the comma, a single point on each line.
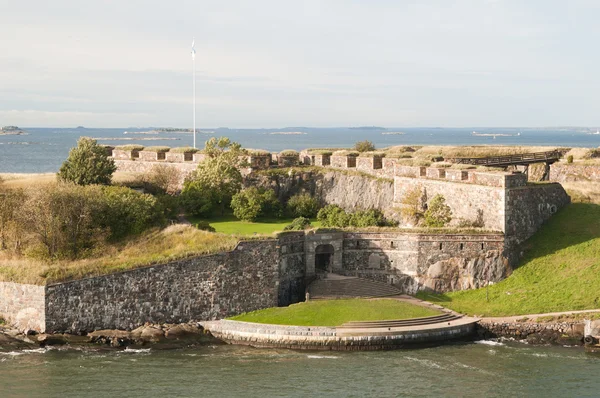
[162, 179]
[11, 229]
[364, 146]
[87, 164]
[247, 204]
[413, 205]
[196, 198]
[438, 213]
[220, 171]
[303, 205]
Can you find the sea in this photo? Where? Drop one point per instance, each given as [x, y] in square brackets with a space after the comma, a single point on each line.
[44, 149]
[487, 368]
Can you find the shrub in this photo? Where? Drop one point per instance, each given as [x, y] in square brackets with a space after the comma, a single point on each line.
[197, 198]
[364, 146]
[247, 204]
[438, 213]
[128, 212]
[253, 202]
[299, 224]
[271, 206]
[87, 164]
[367, 218]
[162, 179]
[413, 205]
[204, 226]
[303, 205]
[570, 159]
[333, 216]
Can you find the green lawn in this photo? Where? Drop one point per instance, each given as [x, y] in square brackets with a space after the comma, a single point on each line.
[336, 312]
[229, 224]
[560, 271]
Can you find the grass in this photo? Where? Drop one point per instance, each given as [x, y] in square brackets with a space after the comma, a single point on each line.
[560, 271]
[25, 180]
[336, 312]
[154, 247]
[229, 224]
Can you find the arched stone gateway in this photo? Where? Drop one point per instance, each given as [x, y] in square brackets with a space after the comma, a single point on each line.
[323, 257]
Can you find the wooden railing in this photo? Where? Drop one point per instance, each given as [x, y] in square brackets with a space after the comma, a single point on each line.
[518, 159]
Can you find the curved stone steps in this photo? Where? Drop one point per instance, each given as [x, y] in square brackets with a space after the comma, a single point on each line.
[350, 287]
[430, 320]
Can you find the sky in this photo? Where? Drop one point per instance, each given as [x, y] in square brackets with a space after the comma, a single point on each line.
[277, 63]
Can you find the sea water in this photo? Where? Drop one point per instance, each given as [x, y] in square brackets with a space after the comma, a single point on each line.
[485, 369]
[44, 149]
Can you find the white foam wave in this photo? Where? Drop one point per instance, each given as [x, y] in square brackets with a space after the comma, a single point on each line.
[136, 350]
[322, 356]
[489, 342]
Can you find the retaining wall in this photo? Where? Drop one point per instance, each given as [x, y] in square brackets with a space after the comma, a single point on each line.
[23, 306]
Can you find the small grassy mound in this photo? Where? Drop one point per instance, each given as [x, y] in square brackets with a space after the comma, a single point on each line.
[560, 271]
[336, 312]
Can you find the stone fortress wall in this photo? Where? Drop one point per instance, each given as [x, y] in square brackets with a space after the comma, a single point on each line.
[256, 274]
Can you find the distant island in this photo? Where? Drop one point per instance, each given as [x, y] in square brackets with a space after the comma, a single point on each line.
[368, 128]
[12, 130]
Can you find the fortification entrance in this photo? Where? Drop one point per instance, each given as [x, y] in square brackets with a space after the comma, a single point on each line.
[324, 257]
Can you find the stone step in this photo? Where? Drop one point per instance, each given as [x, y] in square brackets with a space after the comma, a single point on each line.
[350, 287]
[402, 322]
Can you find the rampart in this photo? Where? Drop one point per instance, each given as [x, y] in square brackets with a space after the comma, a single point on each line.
[255, 275]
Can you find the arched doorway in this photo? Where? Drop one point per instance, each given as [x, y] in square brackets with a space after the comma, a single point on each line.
[323, 258]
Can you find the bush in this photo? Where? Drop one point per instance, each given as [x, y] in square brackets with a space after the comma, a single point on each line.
[127, 212]
[364, 146]
[438, 213]
[204, 226]
[303, 205]
[197, 198]
[253, 202]
[87, 164]
[162, 179]
[367, 218]
[299, 224]
[413, 205]
[570, 159]
[247, 204]
[333, 216]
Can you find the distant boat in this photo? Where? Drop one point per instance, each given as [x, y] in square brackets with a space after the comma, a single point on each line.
[596, 133]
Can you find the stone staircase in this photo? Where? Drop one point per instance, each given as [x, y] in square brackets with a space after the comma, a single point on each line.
[338, 286]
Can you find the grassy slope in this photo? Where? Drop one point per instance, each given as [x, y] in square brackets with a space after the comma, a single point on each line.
[560, 271]
[336, 312]
[229, 224]
[176, 242]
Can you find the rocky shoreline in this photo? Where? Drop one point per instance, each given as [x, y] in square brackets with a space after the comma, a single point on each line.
[164, 336]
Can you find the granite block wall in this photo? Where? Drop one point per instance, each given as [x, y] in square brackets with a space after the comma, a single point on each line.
[23, 306]
[202, 288]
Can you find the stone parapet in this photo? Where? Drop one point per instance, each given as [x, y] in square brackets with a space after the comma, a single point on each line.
[23, 306]
[343, 162]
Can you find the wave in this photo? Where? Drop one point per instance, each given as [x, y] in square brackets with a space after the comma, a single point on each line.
[489, 342]
[322, 357]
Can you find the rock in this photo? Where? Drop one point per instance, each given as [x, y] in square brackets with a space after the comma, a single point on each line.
[147, 334]
[114, 338]
[51, 339]
[183, 331]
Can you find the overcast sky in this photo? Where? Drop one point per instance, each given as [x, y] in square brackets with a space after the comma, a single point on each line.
[263, 63]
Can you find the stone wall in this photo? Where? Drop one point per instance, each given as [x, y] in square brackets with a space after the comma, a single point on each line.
[467, 201]
[527, 208]
[562, 333]
[207, 287]
[414, 262]
[22, 306]
[561, 172]
[292, 268]
[350, 191]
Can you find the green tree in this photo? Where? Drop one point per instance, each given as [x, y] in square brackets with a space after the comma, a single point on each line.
[11, 229]
[438, 213]
[247, 204]
[87, 164]
[303, 205]
[413, 205]
[333, 216]
[364, 146]
[299, 224]
[220, 171]
[197, 198]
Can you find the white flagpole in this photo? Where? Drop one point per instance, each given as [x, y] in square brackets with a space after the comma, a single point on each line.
[194, 86]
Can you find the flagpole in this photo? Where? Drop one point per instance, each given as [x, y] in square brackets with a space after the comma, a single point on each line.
[194, 87]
